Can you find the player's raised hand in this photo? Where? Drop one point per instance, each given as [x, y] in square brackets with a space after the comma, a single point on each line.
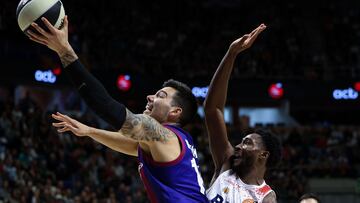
[68, 124]
[246, 41]
[55, 39]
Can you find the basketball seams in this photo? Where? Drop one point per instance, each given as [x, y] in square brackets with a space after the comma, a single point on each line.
[20, 8]
[24, 26]
[60, 21]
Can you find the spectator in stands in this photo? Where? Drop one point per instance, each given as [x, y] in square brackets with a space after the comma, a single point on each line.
[309, 198]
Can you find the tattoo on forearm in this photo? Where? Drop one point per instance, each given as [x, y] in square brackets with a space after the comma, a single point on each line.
[144, 128]
[68, 58]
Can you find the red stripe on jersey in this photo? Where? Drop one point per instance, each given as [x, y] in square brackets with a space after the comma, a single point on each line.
[263, 190]
[148, 187]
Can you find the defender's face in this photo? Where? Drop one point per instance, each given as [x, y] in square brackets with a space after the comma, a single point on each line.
[247, 151]
[159, 105]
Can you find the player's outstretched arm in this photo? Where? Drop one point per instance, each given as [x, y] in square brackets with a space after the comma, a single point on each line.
[214, 104]
[91, 90]
[114, 140]
[138, 127]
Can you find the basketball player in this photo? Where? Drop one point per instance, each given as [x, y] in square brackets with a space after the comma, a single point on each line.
[239, 171]
[168, 160]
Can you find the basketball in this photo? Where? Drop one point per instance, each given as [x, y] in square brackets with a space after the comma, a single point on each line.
[29, 11]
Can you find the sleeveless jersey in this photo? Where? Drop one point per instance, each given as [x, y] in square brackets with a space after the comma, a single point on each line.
[176, 181]
[227, 188]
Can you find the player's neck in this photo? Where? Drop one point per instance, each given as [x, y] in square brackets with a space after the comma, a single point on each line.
[254, 177]
[171, 123]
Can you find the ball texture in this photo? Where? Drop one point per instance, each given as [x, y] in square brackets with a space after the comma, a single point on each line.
[29, 11]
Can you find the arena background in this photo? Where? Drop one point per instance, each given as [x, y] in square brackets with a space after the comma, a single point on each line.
[301, 79]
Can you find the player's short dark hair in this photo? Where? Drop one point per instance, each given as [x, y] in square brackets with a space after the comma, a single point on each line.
[309, 196]
[271, 144]
[183, 98]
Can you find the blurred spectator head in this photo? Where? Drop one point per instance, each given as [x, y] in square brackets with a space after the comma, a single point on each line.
[309, 198]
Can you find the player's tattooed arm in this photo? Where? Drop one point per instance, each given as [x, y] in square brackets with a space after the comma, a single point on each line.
[68, 56]
[144, 128]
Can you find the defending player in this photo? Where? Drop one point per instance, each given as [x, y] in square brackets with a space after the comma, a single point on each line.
[239, 171]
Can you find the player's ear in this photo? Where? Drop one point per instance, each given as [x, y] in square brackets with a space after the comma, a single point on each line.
[264, 154]
[175, 111]
[174, 114]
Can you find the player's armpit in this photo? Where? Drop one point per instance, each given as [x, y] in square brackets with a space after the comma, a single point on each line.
[144, 128]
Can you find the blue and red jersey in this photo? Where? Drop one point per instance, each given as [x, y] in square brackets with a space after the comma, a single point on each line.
[175, 181]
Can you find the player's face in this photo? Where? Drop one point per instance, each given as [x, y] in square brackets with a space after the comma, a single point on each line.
[246, 153]
[159, 105]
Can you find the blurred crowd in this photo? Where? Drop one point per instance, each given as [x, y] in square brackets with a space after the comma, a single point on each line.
[37, 164]
[189, 38]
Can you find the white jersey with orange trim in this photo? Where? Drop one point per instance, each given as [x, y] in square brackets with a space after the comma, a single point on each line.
[227, 188]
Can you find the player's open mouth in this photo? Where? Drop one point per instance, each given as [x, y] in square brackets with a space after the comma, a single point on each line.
[238, 155]
[149, 107]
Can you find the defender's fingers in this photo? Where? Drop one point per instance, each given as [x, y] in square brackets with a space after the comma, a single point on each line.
[258, 30]
[256, 34]
[243, 38]
[253, 32]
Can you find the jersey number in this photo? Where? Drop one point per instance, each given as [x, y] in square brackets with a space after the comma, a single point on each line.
[217, 199]
[199, 179]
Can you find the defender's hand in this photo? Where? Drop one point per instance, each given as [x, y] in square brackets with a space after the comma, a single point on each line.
[246, 41]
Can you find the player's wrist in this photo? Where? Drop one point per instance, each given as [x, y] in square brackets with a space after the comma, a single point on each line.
[67, 55]
[90, 132]
[232, 52]
[64, 50]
